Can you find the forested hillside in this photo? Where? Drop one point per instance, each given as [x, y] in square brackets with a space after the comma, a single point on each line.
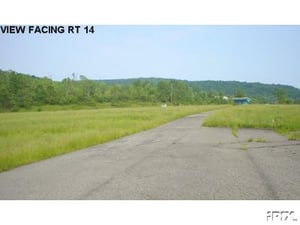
[24, 91]
[262, 93]
[259, 92]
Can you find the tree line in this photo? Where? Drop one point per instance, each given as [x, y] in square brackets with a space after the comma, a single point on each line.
[24, 91]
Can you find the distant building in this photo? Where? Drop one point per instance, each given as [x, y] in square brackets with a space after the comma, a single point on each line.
[241, 101]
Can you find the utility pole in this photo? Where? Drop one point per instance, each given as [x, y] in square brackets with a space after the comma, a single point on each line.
[171, 94]
[74, 76]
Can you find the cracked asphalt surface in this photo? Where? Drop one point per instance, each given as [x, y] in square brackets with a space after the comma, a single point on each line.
[178, 160]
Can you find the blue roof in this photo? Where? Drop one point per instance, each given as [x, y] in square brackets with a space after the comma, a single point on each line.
[241, 99]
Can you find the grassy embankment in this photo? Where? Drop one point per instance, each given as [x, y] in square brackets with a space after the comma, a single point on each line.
[283, 119]
[27, 137]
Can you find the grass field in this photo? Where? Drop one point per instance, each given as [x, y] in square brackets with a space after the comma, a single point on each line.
[27, 137]
[283, 119]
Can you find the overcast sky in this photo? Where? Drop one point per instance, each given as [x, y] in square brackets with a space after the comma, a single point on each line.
[267, 54]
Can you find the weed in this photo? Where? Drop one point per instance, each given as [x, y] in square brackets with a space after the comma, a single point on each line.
[244, 147]
[292, 136]
[234, 131]
[260, 139]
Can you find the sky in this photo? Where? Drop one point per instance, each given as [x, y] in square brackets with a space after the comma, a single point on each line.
[266, 54]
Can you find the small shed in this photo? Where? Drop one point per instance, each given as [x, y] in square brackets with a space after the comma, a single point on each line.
[241, 101]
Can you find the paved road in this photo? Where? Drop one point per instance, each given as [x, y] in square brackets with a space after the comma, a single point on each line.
[179, 160]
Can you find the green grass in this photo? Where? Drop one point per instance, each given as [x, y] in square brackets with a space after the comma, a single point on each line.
[284, 119]
[91, 105]
[27, 137]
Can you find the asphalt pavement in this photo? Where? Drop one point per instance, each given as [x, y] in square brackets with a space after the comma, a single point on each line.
[178, 160]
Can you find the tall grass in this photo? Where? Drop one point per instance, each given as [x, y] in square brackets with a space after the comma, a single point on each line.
[284, 119]
[27, 137]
